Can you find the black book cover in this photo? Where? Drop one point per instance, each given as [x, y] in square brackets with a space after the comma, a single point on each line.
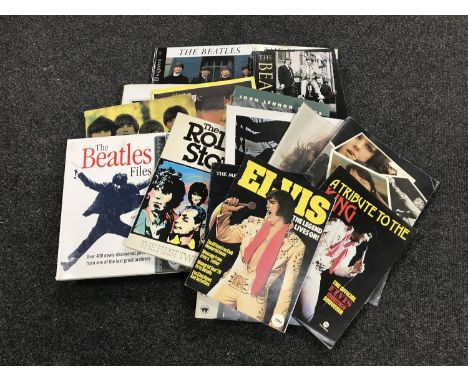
[359, 244]
[261, 243]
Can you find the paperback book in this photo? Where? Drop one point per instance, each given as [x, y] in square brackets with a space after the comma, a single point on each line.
[359, 244]
[263, 238]
[170, 223]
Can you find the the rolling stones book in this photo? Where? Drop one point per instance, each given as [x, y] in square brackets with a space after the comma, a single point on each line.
[359, 244]
[210, 98]
[200, 64]
[311, 74]
[403, 187]
[255, 132]
[261, 243]
[305, 138]
[257, 99]
[171, 221]
[138, 117]
[104, 183]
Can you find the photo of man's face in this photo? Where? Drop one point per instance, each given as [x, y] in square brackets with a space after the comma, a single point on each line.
[185, 224]
[360, 179]
[225, 73]
[158, 200]
[272, 209]
[125, 130]
[358, 149]
[177, 69]
[205, 72]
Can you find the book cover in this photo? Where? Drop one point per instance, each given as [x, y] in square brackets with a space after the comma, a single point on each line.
[200, 64]
[305, 138]
[104, 183]
[311, 74]
[210, 98]
[254, 132]
[171, 221]
[138, 117]
[261, 244]
[256, 99]
[359, 244]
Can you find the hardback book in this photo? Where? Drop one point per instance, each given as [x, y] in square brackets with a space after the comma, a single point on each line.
[312, 74]
[104, 183]
[200, 64]
[255, 132]
[257, 99]
[210, 98]
[138, 117]
[261, 243]
[170, 223]
[359, 244]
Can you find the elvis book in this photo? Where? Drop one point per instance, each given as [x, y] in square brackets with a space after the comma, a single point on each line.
[359, 244]
[104, 183]
[261, 242]
[170, 223]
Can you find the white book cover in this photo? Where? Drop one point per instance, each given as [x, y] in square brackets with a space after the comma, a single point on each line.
[171, 221]
[104, 183]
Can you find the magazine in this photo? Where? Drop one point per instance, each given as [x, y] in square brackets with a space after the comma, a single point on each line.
[262, 242]
[210, 99]
[253, 132]
[305, 138]
[311, 74]
[171, 221]
[200, 64]
[103, 182]
[359, 244]
[256, 99]
[137, 118]
[222, 177]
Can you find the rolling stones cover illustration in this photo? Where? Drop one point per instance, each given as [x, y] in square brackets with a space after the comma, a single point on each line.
[171, 221]
[359, 244]
[311, 74]
[261, 243]
[210, 98]
[257, 99]
[104, 183]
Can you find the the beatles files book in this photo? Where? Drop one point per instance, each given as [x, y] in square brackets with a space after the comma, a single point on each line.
[104, 183]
